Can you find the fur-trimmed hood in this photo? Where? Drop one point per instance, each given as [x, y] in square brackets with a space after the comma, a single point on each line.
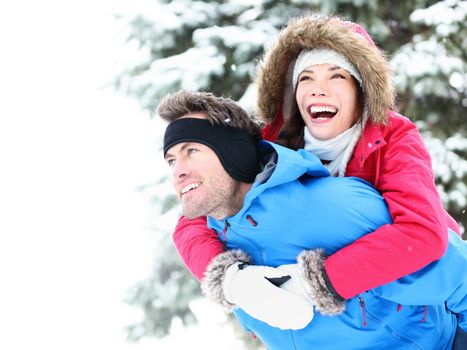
[274, 76]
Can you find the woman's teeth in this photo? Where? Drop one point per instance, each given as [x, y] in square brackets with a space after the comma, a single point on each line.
[322, 112]
[319, 109]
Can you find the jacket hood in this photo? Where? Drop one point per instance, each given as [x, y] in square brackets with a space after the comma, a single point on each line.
[274, 76]
[290, 166]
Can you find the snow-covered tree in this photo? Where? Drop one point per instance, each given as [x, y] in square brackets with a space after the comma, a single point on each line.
[215, 45]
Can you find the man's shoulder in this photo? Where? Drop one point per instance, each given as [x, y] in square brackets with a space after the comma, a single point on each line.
[345, 185]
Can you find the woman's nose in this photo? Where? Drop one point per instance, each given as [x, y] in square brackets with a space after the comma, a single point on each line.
[318, 93]
[318, 89]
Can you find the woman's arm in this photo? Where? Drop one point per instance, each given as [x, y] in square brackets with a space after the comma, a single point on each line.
[419, 233]
[196, 244]
[202, 253]
[441, 282]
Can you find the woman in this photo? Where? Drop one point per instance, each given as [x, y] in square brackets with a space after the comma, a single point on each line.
[325, 86]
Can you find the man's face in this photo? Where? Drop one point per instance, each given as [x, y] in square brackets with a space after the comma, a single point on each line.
[201, 183]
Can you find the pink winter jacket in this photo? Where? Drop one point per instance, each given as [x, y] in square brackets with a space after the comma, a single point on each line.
[394, 159]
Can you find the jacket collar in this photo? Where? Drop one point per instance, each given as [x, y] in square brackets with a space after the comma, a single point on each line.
[290, 166]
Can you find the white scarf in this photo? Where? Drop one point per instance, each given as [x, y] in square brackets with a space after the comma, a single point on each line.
[337, 150]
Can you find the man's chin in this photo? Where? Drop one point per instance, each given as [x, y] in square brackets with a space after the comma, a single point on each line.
[192, 214]
[191, 217]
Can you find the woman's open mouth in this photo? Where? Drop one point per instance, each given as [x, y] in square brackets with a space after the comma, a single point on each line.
[322, 112]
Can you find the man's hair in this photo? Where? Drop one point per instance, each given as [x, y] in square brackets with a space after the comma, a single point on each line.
[218, 110]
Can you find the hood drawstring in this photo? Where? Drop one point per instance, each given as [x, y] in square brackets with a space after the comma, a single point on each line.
[362, 305]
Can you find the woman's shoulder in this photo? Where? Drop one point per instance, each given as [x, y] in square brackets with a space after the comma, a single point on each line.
[398, 126]
[396, 120]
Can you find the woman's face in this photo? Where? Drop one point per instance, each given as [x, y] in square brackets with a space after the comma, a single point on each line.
[327, 97]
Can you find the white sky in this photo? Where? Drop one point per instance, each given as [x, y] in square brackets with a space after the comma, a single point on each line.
[72, 227]
[73, 230]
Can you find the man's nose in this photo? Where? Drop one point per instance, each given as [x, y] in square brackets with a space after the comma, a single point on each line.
[180, 169]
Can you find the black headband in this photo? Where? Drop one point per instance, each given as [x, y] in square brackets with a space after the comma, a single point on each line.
[235, 148]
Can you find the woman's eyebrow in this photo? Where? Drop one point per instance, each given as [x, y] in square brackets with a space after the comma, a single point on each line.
[335, 68]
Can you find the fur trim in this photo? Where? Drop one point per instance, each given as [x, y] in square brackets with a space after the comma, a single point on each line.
[311, 264]
[346, 38]
[211, 285]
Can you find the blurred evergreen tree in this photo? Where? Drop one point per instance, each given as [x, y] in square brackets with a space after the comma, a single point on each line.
[215, 45]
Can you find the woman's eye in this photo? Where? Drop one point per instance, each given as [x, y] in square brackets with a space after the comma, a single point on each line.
[338, 76]
[304, 77]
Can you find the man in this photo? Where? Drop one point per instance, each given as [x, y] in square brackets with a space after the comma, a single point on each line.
[269, 205]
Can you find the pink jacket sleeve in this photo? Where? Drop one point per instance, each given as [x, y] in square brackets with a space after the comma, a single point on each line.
[419, 233]
[196, 244]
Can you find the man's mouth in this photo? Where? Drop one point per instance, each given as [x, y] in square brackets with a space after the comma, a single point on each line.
[322, 112]
[189, 187]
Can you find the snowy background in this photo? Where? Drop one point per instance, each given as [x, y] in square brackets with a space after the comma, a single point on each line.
[75, 231]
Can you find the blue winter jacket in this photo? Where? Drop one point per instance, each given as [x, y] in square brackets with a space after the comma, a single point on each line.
[301, 207]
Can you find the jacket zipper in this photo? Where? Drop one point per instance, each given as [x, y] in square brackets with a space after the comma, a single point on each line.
[227, 225]
[224, 231]
[362, 305]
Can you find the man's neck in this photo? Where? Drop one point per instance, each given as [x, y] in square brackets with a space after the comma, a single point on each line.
[234, 205]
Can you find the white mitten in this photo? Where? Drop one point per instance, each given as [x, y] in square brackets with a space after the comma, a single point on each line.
[309, 280]
[295, 284]
[248, 287]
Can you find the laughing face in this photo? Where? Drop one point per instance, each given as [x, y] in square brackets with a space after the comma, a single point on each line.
[327, 97]
[201, 183]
